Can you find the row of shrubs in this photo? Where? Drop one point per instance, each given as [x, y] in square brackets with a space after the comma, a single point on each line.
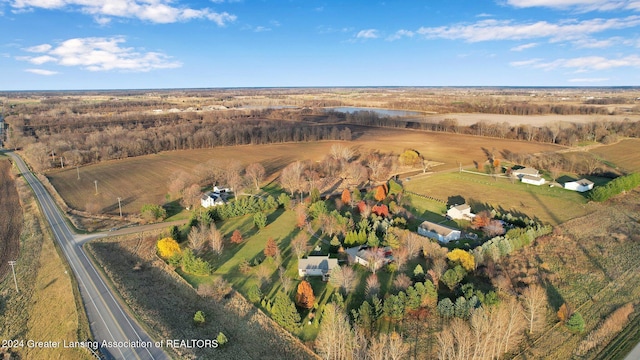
[513, 240]
[615, 187]
[242, 206]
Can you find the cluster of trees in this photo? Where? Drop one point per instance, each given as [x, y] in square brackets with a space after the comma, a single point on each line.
[615, 187]
[513, 240]
[342, 164]
[242, 206]
[90, 145]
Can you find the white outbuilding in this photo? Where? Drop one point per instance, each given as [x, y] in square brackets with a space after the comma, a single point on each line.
[581, 185]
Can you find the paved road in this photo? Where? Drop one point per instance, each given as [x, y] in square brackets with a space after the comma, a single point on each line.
[108, 321]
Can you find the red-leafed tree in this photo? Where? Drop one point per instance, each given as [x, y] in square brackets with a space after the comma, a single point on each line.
[346, 196]
[304, 295]
[271, 249]
[380, 210]
[381, 193]
[481, 220]
[236, 237]
[362, 207]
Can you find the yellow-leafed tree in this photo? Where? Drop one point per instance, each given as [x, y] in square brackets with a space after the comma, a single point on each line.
[168, 247]
[463, 257]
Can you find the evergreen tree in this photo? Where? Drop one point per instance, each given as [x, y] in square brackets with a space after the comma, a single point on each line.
[284, 312]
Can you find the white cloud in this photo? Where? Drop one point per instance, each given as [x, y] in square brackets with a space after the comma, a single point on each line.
[39, 48]
[587, 80]
[400, 34]
[488, 30]
[41, 72]
[261, 29]
[581, 5]
[582, 64]
[155, 11]
[100, 54]
[367, 34]
[596, 44]
[524, 47]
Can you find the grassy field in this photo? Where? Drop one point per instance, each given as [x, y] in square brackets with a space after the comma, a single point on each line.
[166, 303]
[551, 205]
[624, 154]
[45, 308]
[10, 218]
[592, 268]
[145, 179]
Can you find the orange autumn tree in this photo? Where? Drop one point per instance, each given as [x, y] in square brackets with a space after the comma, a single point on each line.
[346, 196]
[168, 247]
[236, 237]
[304, 295]
[271, 249]
[381, 193]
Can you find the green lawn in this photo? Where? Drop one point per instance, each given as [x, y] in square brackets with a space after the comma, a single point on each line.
[549, 204]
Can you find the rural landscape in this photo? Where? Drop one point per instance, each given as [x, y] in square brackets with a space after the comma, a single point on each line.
[333, 223]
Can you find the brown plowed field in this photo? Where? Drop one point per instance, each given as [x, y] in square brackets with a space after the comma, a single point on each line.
[10, 218]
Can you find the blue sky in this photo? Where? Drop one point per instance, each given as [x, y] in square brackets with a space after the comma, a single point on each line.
[132, 44]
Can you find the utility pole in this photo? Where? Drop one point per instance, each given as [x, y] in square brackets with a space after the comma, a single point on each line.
[120, 205]
[13, 263]
[96, 182]
[78, 170]
[62, 161]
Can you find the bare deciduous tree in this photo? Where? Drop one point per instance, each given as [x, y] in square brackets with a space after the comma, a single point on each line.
[299, 244]
[343, 277]
[372, 286]
[534, 301]
[291, 177]
[335, 340]
[255, 172]
[216, 240]
[197, 238]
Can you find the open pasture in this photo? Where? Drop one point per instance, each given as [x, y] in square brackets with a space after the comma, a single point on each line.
[551, 205]
[141, 180]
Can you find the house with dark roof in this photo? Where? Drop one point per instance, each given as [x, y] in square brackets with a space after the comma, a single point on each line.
[438, 232]
[316, 265]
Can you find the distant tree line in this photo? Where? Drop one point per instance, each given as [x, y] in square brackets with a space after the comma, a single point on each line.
[565, 134]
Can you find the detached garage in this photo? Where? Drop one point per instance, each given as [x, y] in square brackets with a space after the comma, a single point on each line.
[581, 185]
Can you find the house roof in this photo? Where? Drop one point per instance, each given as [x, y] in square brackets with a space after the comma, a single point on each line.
[315, 262]
[437, 228]
[526, 171]
[584, 182]
[532, 178]
[461, 208]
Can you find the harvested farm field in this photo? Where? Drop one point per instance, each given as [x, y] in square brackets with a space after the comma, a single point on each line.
[144, 180]
[624, 155]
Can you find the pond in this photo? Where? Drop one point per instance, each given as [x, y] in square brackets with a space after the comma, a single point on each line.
[381, 112]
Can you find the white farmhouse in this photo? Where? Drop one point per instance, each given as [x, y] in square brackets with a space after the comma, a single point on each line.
[581, 185]
[438, 232]
[460, 212]
[211, 199]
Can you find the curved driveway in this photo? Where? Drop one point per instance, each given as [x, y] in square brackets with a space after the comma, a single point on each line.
[108, 321]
